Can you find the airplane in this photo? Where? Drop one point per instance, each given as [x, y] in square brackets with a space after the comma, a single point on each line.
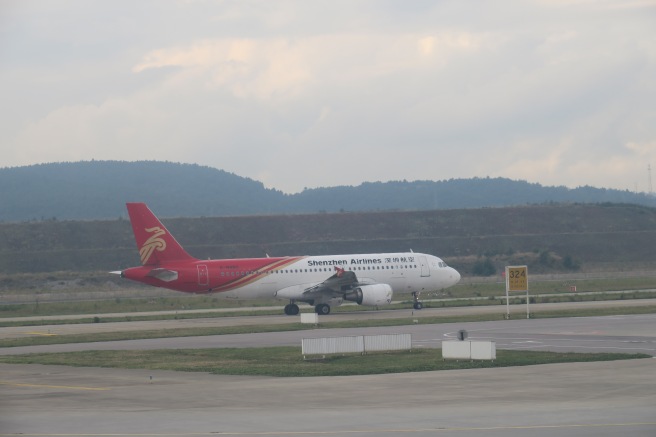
[321, 281]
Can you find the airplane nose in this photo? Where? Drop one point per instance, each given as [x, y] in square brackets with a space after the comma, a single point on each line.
[455, 276]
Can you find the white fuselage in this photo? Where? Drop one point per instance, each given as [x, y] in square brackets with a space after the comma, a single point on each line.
[404, 272]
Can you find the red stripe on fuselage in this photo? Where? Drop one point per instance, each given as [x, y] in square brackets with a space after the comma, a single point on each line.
[247, 271]
[222, 275]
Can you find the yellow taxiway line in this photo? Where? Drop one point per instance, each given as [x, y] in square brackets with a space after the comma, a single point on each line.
[65, 387]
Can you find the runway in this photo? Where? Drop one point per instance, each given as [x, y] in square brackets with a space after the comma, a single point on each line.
[580, 400]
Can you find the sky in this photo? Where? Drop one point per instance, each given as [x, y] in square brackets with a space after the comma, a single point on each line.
[302, 94]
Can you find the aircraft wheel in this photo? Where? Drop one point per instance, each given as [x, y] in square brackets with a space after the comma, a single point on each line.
[322, 309]
[418, 305]
[291, 309]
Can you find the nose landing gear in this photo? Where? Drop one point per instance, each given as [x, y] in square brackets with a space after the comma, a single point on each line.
[417, 304]
[291, 309]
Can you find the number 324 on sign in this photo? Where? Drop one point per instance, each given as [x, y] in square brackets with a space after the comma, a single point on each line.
[517, 278]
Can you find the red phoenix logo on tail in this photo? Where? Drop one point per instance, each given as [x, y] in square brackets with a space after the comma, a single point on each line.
[154, 242]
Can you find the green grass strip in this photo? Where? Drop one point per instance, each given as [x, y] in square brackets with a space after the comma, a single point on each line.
[288, 361]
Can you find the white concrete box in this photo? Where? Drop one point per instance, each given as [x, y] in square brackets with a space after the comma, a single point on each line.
[310, 318]
[483, 350]
[456, 350]
[469, 350]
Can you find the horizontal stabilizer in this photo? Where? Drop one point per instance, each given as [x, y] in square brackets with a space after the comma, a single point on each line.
[163, 274]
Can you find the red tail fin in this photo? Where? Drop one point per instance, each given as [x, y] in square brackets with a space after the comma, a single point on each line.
[155, 243]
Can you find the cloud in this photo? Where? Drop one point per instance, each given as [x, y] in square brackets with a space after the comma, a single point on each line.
[250, 68]
[328, 93]
[263, 68]
[643, 150]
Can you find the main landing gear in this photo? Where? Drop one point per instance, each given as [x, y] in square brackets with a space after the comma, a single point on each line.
[417, 304]
[321, 309]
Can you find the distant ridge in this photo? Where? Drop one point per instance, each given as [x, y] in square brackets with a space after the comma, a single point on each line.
[99, 189]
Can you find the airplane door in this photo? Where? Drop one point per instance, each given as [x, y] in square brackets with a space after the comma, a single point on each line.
[425, 271]
[203, 276]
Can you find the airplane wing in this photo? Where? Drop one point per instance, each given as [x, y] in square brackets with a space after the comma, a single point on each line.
[338, 286]
[343, 285]
[335, 286]
[339, 283]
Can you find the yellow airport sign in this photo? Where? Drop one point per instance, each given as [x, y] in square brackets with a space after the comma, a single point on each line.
[516, 278]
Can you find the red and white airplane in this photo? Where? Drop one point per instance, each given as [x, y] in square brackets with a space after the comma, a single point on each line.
[322, 281]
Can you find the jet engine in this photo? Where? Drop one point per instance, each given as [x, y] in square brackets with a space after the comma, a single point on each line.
[372, 295]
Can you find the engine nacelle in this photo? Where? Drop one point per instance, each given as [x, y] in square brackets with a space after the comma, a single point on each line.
[371, 295]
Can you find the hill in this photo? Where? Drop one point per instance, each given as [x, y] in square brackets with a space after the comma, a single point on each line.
[548, 238]
[99, 189]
